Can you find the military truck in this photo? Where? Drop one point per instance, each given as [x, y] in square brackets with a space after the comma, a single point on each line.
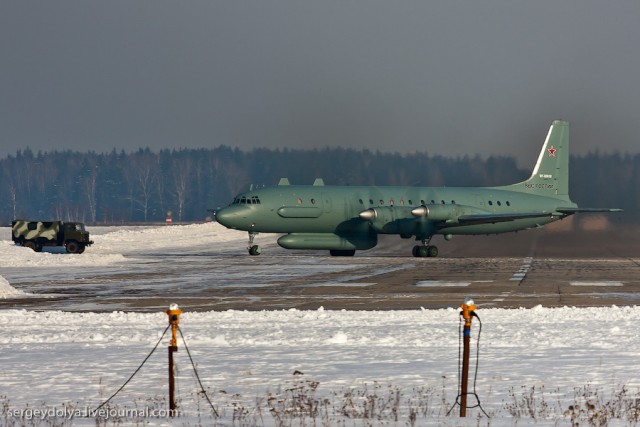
[37, 234]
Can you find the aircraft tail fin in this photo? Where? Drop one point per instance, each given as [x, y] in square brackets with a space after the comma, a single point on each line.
[550, 175]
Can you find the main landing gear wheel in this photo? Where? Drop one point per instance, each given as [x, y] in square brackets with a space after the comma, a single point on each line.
[425, 251]
[253, 249]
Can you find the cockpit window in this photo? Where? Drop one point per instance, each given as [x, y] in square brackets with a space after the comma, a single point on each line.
[254, 200]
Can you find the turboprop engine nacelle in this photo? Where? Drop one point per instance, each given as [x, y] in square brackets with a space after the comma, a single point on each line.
[437, 212]
[390, 220]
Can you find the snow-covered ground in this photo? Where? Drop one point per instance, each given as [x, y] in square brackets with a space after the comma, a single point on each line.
[114, 245]
[294, 367]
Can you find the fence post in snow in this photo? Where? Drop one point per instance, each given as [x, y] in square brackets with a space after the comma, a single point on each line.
[174, 318]
[467, 312]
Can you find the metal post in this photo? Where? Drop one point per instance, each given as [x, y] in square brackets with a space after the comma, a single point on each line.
[172, 387]
[467, 309]
[174, 318]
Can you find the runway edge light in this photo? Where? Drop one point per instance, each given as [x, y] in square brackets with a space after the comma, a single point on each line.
[468, 307]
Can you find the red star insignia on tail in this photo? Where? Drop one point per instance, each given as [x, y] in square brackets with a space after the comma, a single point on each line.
[552, 151]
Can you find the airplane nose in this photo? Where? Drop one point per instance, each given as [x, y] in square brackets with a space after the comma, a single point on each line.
[232, 216]
[223, 216]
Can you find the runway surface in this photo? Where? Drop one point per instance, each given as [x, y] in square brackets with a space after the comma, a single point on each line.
[547, 268]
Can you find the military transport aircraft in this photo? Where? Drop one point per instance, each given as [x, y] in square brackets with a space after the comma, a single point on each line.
[343, 219]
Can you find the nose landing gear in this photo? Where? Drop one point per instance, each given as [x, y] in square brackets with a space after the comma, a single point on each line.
[253, 249]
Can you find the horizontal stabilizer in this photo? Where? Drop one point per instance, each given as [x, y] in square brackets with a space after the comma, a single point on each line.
[493, 218]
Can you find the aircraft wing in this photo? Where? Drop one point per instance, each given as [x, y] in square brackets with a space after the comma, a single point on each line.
[473, 219]
[493, 218]
[571, 211]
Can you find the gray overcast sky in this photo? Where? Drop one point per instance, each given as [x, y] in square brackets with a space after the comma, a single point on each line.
[446, 77]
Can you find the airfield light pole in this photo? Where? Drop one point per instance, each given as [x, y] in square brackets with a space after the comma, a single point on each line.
[174, 318]
[467, 313]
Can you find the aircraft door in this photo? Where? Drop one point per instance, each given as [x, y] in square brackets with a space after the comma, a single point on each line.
[327, 203]
[479, 201]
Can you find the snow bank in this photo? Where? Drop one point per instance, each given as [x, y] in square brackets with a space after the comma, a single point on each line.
[114, 245]
[8, 291]
[136, 239]
[18, 256]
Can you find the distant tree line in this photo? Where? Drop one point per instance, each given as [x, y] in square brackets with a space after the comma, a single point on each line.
[142, 186]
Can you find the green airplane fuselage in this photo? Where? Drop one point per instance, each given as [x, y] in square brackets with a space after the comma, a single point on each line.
[344, 219]
[336, 209]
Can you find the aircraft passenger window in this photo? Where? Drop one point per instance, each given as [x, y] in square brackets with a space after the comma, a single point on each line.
[508, 203]
[490, 203]
[371, 202]
[499, 204]
[410, 202]
[422, 202]
[361, 202]
[299, 201]
[433, 202]
[381, 202]
[401, 202]
[453, 202]
[313, 201]
[442, 201]
[391, 202]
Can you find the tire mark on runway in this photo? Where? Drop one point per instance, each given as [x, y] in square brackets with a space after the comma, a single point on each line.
[521, 273]
[633, 261]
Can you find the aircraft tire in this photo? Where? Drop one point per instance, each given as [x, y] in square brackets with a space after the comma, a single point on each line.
[432, 251]
[423, 251]
[254, 250]
[415, 251]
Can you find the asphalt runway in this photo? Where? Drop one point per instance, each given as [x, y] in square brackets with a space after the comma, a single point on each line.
[539, 267]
